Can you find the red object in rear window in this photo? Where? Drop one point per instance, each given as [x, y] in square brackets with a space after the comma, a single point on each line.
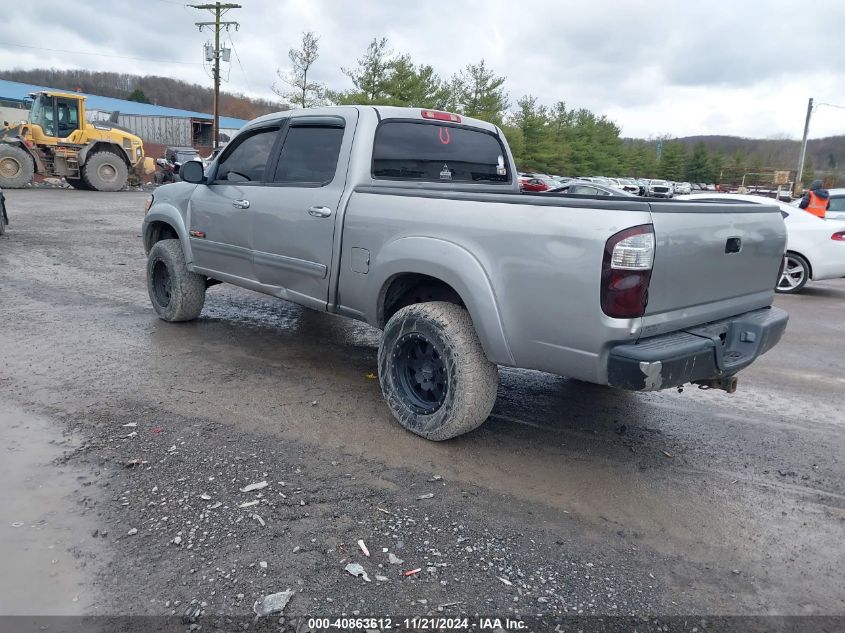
[441, 116]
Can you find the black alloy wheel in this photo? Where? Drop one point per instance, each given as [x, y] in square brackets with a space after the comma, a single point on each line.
[421, 373]
[162, 284]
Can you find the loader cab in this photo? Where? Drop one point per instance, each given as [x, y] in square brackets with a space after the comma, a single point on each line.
[56, 114]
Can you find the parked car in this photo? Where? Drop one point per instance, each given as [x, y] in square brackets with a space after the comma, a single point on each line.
[815, 248]
[4, 217]
[533, 184]
[367, 213]
[178, 156]
[587, 188]
[628, 184]
[659, 189]
[682, 188]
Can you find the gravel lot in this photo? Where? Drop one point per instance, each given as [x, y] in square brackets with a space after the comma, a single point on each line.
[128, 441]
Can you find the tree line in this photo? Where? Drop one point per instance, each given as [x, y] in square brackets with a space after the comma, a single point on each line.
[555, 139]
[551, 138]
[164, 91]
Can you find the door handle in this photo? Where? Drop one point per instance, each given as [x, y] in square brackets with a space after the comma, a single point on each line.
[240, 204]
[320, 212]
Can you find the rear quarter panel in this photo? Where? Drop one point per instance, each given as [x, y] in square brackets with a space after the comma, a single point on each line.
[540, 257]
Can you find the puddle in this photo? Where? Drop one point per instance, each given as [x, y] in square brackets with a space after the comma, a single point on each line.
[44, 535]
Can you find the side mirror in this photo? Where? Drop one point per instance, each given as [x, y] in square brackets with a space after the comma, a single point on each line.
[192, 172]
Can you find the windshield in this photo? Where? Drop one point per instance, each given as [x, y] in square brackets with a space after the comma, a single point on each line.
[42, 113]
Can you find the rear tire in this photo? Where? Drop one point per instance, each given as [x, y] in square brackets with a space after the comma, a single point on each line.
[105, 171]
[434, 375]
[176, 293]
[16, 167]
[796, 274]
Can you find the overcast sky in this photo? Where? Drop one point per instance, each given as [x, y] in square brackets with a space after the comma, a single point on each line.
[655, 67]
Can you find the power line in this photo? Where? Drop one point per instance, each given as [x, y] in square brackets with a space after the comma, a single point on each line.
[61, 50]
[829, 105]
[238, 57]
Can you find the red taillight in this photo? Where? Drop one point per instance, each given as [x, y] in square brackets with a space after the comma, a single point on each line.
[437, 115]
[626, 272]
[839, 237]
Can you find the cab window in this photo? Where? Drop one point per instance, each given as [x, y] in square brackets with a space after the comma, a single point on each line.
[423, 151]
[68, 112]
[247, 161]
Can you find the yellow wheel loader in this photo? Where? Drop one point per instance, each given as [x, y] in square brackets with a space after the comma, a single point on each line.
[58, 141]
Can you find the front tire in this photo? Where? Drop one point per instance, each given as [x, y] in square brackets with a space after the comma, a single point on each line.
[176, 293]
[796, 274]
[16, 167]
[434, 375]
[105, 171]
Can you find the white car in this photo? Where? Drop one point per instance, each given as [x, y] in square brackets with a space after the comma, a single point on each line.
[683, 188]
[660, 189]
[815, 248]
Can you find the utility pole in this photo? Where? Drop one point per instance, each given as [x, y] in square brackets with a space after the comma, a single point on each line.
[798, 183]
[218, 10]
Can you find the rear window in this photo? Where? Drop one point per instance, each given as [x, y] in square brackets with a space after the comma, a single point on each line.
[405, 150]
[837, 204]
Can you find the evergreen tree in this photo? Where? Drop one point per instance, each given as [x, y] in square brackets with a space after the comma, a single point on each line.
[531, 120]
[698, 168]
[477, 92]
[673, 161]
[414, 86]
[370, 78]
[809, 173]
[138, 96]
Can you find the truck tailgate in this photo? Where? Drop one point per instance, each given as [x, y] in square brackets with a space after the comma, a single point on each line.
[711, 261]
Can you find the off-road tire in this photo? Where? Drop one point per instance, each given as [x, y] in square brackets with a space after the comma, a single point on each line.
[470, 378]
[176, 293]
[16, 167]
[105, 171]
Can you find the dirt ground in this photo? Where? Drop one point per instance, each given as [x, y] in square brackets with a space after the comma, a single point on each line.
[127, 441]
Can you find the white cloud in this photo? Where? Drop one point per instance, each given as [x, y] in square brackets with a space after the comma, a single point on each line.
[655, 67]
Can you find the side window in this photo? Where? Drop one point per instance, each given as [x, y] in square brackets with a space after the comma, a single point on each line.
[584, 191]
[309, 155]
[68, 117]
[837, 204]
[247, 161]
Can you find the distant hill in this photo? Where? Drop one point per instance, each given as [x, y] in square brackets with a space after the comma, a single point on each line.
[825, 153]
[163, 91]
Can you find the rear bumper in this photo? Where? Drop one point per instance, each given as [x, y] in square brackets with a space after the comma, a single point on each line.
[712, 351]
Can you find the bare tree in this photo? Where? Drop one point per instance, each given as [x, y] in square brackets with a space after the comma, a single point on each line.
[302, 93]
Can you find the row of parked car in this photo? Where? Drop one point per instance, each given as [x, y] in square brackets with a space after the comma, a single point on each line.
[604, 186]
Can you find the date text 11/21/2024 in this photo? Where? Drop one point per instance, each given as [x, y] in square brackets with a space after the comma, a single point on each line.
[423, 623]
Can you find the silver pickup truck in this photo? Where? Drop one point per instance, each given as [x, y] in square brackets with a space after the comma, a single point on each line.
[412, 220]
